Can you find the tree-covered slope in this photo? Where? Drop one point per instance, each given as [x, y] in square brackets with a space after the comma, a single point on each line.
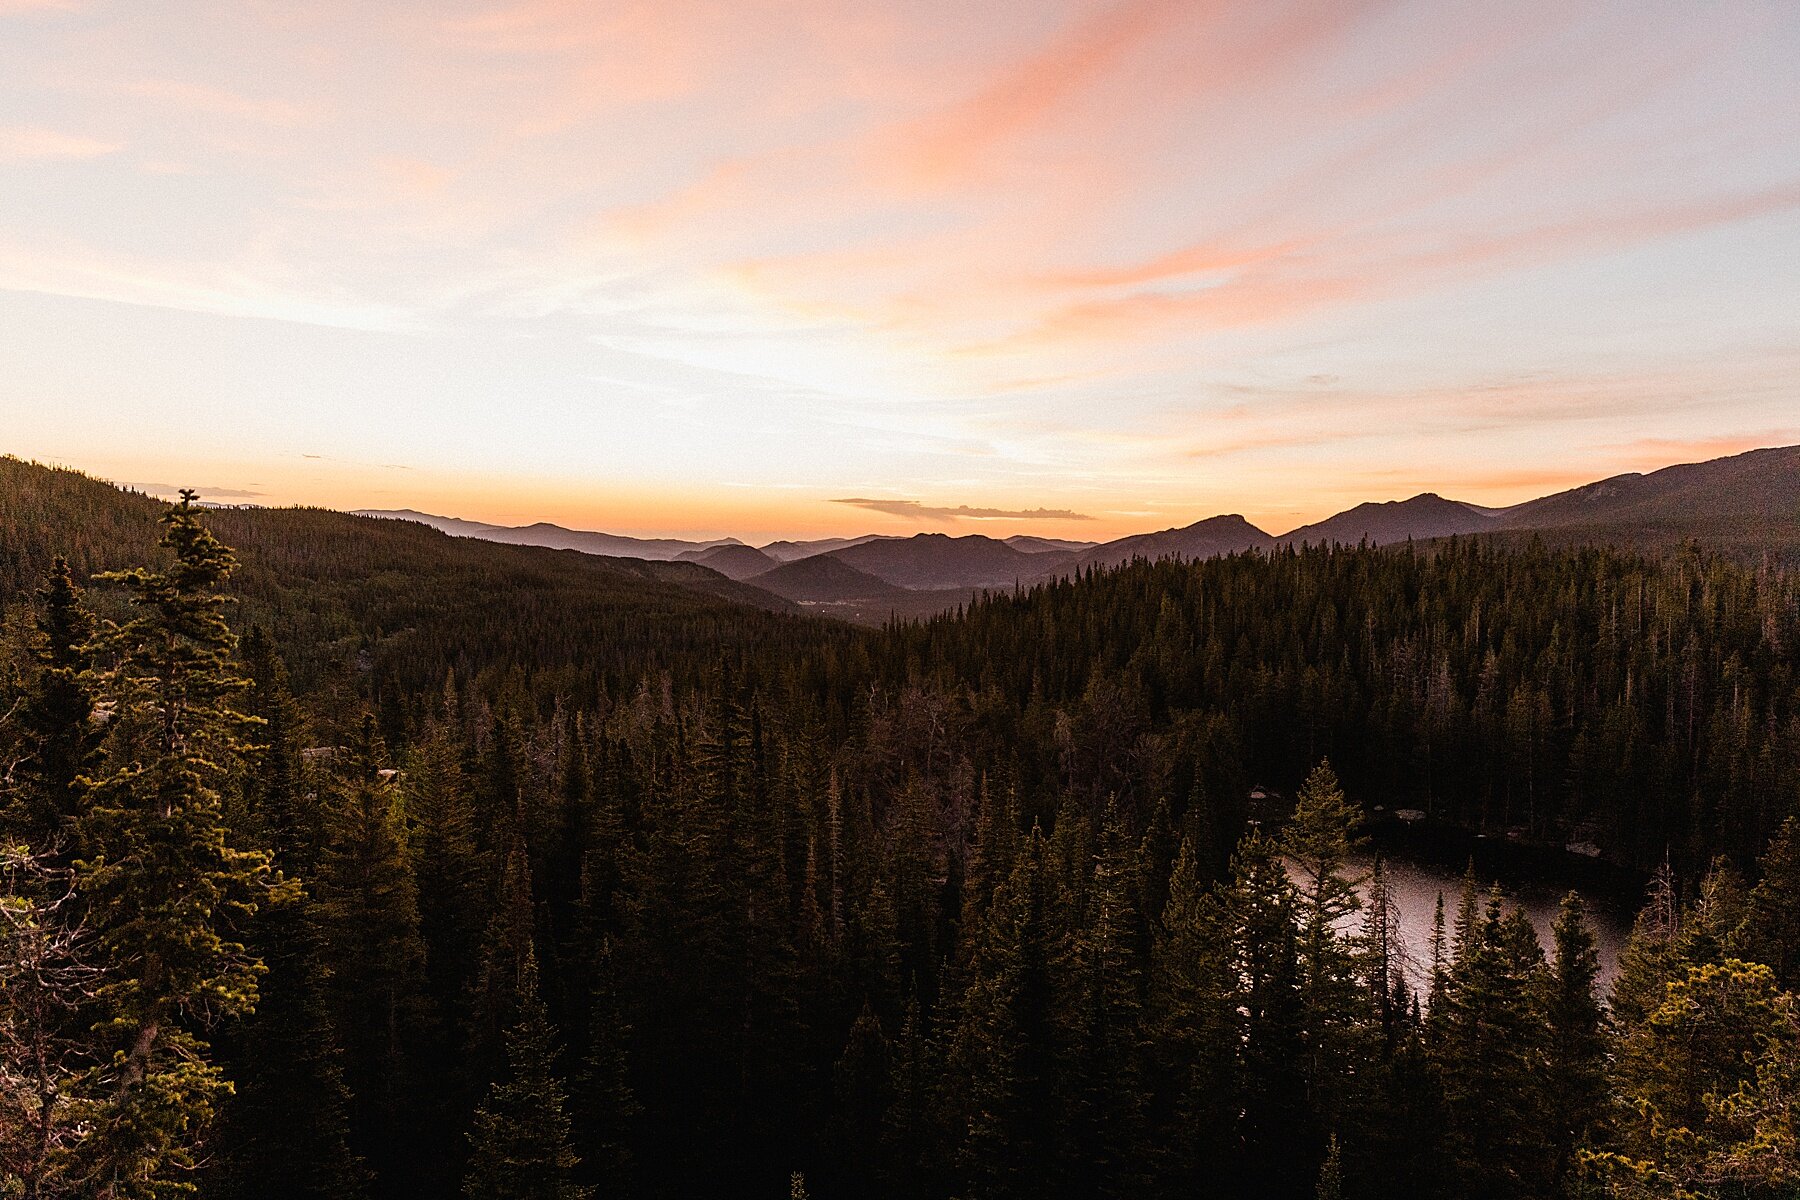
[346, 595]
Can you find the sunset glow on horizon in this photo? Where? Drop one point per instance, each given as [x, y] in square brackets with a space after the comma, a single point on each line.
[767, 269]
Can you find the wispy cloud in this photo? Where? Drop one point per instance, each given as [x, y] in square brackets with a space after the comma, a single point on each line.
[1209, 253]
[948, 144]
[51, 145]
[930, 512]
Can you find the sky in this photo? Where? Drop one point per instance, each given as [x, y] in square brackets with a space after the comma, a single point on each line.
[774, 269]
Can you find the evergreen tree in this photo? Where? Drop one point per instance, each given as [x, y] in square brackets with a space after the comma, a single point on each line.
[1708, 1102]
[1575, 1064]
[1100, 1014]
[285, 1131]
[1319, 841]
[1491, 1060]
[603, 1103]
[448, 871]
[912, 1136]
[167, 890]
[862, 1085]
[1331, 1172]
[1276, 1124]
[1773, 928]
[368, 910]
[519, 1147]
[1195, 1017]
[56, 717]
[1652, 954]
[1004, 1044]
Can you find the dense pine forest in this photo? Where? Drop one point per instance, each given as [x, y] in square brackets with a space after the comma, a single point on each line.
[345, 859]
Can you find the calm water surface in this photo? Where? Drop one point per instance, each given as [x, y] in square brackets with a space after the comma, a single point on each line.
[1415, 886]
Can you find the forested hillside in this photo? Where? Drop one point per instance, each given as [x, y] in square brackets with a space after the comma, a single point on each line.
[388, 608]
[521, 874]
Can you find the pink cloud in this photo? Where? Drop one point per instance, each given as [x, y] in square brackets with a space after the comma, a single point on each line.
[944, 147]
[51, 145]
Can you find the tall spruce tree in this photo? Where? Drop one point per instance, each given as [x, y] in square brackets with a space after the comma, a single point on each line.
[1277, 1126]
[1195, 1017]
[1575, 1063]
[1773, 928]
[1103, 980]
[368, 911]
[285, 1133]
[1491, 1059]
[520, 1145]
[1005, 1042]
[56, 717]
[603, 1102]
[168, 892]
[1319, 841]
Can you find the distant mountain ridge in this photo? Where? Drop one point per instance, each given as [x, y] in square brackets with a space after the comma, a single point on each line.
[1214, 536]
[554, 537]
[824, 579]
[1745, 502]
[734, 561]
[929, 561]
[1427, 515]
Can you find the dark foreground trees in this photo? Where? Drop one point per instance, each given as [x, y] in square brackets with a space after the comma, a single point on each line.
[977, 910]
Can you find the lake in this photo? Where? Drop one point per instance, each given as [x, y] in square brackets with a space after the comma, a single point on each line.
[1416, 884]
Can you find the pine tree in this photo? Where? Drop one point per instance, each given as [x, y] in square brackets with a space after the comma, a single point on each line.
[1384, 958]
[369, 918]
[448, 870]
[56, 718]
[509, 941]
[1276, 1124]
[863, 1087]
[1319, 841]
[1652, 954]
[1708, 1090]
[1331, 1172]
[167, 890]
[1100, 1014]
[912, 1135]
[1004, 1045]
[1773, 932]
[1195, 1017]
[285, 1132]
[603, 1103]
[1576, 1046]
[519, 1147]
[1440, 959]
[1491, 1059]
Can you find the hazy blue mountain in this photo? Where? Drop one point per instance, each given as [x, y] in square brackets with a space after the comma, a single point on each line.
[937, 560]
[786, 551]
[554, 536]
[1032, 544]
[735, 561]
